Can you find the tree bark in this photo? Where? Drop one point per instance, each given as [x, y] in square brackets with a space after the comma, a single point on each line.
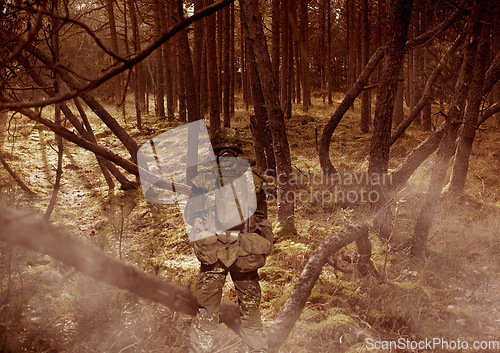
[426, 21]
[232, 67]
[276, 41]
[365, 56]
[199, 34]
[427, 94]
[253, 20]
[226, 73]
[304, 54]
[419, 154]
[93, 104]
[447, 143]
[329, 71]
[214, 105]
[260, 129]
[398, 113]
[160, 70]
[379, 151]
[181, 87]
[324, 146]
[286, 54]
[293, 307]
[117, 91]
[470, 123]
[138, 82]
[193, 107]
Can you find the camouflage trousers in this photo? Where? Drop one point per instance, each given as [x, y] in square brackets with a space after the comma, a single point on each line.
[208, 291]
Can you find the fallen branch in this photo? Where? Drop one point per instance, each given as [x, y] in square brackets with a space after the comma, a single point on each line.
[35, 233]
[281, 328]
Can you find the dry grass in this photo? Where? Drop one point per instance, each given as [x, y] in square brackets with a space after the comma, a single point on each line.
[453, 295]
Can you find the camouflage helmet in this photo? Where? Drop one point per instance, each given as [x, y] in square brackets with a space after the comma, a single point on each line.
[226, 137]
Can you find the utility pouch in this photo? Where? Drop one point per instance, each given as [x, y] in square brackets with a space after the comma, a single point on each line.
[252, 252]
[206, 250]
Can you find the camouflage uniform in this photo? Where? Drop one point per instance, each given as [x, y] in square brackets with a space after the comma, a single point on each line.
[239, 251]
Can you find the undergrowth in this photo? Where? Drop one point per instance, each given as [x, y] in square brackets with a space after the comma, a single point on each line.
[47, 307]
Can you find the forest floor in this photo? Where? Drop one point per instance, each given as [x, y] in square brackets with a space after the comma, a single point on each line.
[454, 295]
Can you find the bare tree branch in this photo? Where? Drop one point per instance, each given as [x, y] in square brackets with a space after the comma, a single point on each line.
[68, 19]
[290, 313]
[326, 136]
[492, 75]
[427, 94]
[125, 65]
[432, 33]
[14, 176]
[68, 135]
[35, 233]
[31, 36]
[490, 111]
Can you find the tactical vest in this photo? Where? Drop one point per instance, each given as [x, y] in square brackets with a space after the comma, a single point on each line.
[245, 244]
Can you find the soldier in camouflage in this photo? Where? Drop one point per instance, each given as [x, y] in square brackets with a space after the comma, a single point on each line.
[239, 251]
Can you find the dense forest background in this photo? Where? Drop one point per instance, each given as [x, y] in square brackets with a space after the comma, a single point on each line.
[377, 120]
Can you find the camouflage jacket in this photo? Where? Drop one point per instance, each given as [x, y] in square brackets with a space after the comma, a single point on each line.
[227, 212]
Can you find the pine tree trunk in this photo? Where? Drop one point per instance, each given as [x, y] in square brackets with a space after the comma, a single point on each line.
[286, 54]
[379, 151]
[191, 92]
[304, 54]
[171, 75]
[470, 124]
[365, 56]
[117, 94]
[199, 29]
[397, 115]
[426, 23]
[232, 75]
[329, 70]
[255, 33]
[322, 49]
[447, 143]
[275, 48]
[418, 61]
[326, 136]
[244, 68]
[137, 70]
[160, 80]
[352, 50]
[226, 77]
[260, 128]
[214, 106]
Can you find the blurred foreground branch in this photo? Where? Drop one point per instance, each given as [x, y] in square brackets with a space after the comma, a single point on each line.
[35, 233]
